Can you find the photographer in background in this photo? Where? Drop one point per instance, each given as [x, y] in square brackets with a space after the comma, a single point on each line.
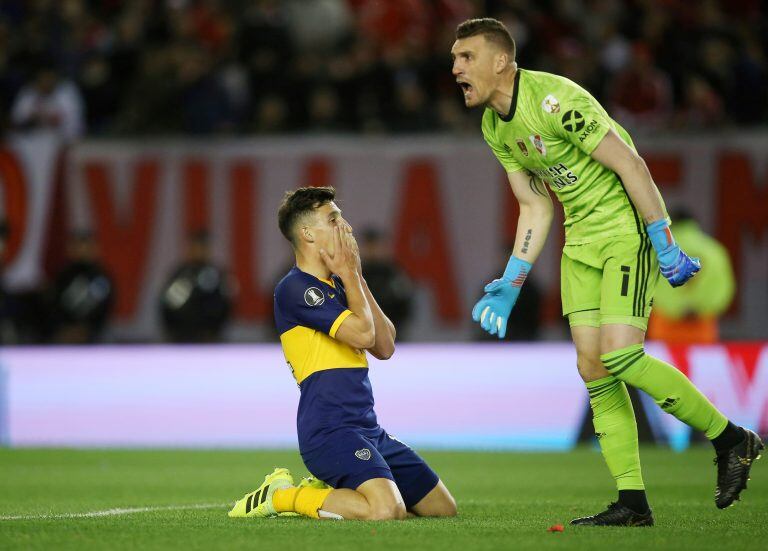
[82, 295]
[387, 280]
[196, 301]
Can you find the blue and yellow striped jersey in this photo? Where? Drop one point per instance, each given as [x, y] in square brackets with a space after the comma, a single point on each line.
[332, 376]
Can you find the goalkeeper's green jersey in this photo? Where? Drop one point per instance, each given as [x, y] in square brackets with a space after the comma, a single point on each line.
[551, 130]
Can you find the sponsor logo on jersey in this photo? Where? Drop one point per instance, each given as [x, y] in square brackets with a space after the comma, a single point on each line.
[573, 121]
[314, 296]
[550, 104]
[521, 144]
[591, 127]
[538, 143]
[364, 454]
[331, 295]
[557, 176]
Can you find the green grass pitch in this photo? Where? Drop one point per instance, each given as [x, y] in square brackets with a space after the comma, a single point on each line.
[506, 501]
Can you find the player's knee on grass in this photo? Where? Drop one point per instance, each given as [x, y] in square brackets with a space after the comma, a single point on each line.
[437, 503]
[384, 500]
[387, 511]
[446, 507]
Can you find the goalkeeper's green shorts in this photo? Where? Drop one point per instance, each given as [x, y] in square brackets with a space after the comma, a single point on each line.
[611, 280]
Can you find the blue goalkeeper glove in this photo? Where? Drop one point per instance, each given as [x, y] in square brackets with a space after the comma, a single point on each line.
[675, 265]
[492, 311]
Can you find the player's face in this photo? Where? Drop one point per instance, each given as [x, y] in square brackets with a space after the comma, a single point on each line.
[327, 217]
[474, 62]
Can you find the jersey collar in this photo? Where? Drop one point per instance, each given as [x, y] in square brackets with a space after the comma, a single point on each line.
[328, 281]
[513, 106]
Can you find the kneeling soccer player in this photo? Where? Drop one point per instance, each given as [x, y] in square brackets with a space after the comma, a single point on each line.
[327, 319]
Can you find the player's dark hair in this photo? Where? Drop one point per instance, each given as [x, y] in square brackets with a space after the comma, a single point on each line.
[299, 202]
[492, 29]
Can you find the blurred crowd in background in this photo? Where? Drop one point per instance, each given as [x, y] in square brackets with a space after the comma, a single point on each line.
[107, 68]
[234, 67]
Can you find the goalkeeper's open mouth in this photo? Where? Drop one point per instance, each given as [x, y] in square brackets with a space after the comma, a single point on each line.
[466, 88]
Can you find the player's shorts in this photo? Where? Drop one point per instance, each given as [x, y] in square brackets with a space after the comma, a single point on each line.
[609, 281]
[348, 458]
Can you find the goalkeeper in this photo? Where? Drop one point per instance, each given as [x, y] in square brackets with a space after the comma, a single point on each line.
[545, 129]
[327, 319]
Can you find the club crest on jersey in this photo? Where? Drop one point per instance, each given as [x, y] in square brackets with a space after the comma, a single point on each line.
[364, 454]
[521, 144]
[314, 296]
[538, 143]
[550, 104]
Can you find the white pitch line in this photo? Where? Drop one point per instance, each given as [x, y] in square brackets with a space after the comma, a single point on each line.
[116, 512]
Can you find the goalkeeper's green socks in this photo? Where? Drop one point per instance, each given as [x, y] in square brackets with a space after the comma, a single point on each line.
[667, 386]
[616, 431]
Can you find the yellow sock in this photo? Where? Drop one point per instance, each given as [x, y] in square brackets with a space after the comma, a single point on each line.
[305, 501]
[284, 499]
[310, 500]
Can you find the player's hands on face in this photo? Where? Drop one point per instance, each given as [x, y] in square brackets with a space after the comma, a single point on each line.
[351, 242]
[342, 260]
